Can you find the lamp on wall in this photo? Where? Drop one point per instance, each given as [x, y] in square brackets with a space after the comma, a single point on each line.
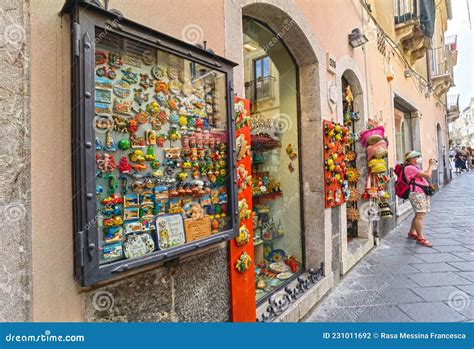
[357, 38]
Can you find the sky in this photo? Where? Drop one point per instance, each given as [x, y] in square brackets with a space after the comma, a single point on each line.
[464, 70]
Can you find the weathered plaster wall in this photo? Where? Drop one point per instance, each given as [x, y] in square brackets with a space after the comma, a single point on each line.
[15, 148]
[199, 288]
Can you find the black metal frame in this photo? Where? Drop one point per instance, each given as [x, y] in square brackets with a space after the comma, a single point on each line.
[86, 17]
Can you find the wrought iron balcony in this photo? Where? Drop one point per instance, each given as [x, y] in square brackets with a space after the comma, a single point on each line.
[452, 43]
[413, 27]
[441, 69]
[260, 89]
[453, 107]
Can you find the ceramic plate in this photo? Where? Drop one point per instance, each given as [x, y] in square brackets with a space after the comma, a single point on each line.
[279, 267]
[284, 276]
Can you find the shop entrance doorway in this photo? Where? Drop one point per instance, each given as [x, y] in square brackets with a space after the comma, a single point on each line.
[271, 85]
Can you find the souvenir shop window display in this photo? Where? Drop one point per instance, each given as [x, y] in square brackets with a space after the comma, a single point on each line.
[275, 263]
[161, 163]
[373, 137]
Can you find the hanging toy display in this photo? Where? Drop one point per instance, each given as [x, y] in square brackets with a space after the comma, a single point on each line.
[375, 188]
[336, 141]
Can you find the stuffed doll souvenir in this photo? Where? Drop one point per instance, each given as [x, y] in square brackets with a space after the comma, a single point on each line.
[377, 150]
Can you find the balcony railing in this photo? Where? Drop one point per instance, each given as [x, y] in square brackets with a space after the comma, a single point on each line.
[452, 42]
[440, 61]
[260, 89]
[405, 10]
[453, 103]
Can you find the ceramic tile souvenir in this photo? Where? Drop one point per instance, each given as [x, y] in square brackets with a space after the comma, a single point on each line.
[103, 96]
[137, 245]
[112, 252]
[131, 213]
[170, 231]
[121, 88]
[147, 197]
[131, 201]
[146, 211]
[133, 227]
[103, 84]
[102, 108]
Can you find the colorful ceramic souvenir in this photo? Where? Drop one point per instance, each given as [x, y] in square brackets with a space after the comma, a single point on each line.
[138, 245]
[129, 76]
[121, 88]
[243, 263]
[157, 73]
[115, 59]
[122, 107]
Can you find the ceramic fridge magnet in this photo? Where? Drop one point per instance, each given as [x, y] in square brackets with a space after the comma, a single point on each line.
[244, 236]
[120, 124]
[243, 149]
[243, 263]
[170, 231]
[121, 88]
[157, 73]
[198, 226]
[100, 57]
[131, 201]
[137, 245]
[131, 213]
[112, 252]
[103, 96]
[103, 84]
[113, 234]
[132, 227]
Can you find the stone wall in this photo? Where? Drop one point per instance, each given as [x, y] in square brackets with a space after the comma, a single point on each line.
[194, 290]
[15, 217]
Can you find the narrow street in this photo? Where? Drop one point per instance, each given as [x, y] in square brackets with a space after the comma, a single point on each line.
[402, 281]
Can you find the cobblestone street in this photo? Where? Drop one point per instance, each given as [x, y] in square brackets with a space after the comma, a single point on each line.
[402, 281]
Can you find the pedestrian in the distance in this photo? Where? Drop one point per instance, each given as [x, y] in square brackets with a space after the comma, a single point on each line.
[469, 158]
[418, 199]
[459, 161]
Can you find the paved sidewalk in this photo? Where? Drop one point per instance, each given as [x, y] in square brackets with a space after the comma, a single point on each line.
[402, 281]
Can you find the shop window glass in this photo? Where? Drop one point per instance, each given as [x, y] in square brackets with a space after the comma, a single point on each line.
[153, 174]
[161, 145]
[276, 182]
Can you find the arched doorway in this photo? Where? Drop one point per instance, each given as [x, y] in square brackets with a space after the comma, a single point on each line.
[271, 85]
[353, 111]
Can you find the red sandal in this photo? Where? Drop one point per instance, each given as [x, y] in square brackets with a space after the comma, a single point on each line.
[424, 242]
[412, 236]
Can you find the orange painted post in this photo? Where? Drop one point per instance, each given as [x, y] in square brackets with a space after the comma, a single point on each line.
[242, 274]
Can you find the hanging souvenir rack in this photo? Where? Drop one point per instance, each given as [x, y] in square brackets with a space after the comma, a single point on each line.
[87, 20]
